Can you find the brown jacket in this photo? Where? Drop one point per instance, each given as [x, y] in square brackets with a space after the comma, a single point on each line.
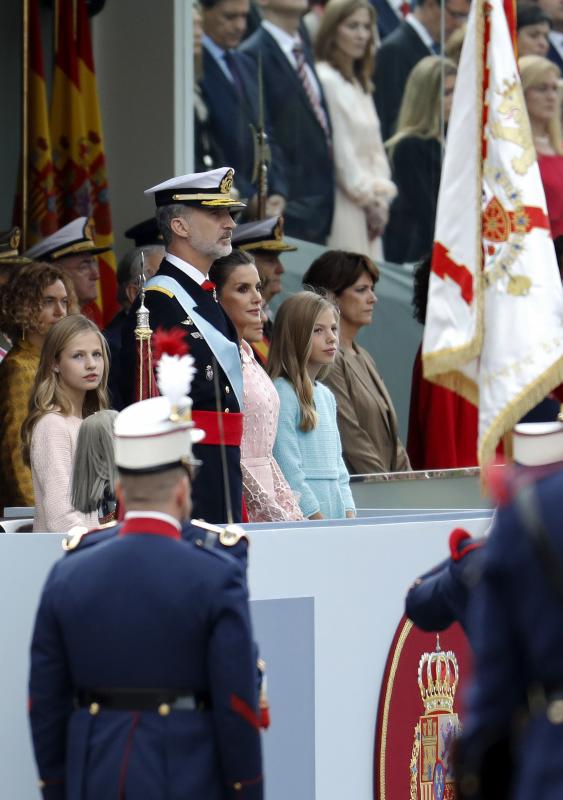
[366, 417]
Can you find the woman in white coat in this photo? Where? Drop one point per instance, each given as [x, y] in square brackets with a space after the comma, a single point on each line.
[345, 49]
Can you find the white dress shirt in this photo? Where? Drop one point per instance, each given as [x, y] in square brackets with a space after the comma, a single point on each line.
[556, 39]
[192, 272]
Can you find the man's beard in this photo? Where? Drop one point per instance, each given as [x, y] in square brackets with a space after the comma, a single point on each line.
[213, 250]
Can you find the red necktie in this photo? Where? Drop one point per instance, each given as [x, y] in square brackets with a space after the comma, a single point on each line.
[318, 110]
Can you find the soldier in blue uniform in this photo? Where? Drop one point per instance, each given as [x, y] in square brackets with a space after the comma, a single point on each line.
[441, 596]
[194, 216]
[513, 736]
[143, 674]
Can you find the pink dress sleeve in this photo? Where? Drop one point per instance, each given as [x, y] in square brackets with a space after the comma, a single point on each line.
[52, 451]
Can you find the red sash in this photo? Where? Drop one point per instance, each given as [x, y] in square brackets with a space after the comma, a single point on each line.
[208, 421]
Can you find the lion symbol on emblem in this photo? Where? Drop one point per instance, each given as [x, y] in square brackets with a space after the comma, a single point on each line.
[512, 109]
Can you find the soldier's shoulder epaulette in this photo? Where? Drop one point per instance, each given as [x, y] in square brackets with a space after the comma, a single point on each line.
[228, 542]
[79, 538]
[229, 536]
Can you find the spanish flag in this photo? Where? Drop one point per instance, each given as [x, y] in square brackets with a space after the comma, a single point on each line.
[96, 164]
[68, 126]
[41, 206]
[494, 320]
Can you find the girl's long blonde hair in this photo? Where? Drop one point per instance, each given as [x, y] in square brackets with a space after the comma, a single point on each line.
[534, 70]
[420, 107]
[291, 348]
[48, 393]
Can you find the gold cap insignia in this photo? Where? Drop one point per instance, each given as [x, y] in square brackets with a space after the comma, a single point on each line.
[227, 183]
[89, 230]
[278, 230]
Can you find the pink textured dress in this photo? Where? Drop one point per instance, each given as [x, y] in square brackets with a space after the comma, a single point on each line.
[266, 491]
[53, 444]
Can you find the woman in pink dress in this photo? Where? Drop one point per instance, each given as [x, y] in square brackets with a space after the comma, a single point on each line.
[266, 492]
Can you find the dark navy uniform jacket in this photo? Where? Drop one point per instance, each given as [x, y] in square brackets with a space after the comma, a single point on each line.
[208, 494]
[440, 597]
[145, 610]
[516, 628]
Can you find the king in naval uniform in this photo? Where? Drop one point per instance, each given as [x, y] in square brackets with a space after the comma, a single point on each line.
[193, 213]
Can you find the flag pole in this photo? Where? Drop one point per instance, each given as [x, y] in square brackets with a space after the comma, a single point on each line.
[55, 27]
[25, 119]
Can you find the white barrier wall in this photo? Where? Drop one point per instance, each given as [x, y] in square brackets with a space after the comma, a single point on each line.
[326, 600]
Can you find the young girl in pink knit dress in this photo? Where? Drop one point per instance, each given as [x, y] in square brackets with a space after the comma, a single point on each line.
[70, 384]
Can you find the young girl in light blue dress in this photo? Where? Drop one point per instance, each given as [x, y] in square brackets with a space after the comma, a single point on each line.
[307, 446]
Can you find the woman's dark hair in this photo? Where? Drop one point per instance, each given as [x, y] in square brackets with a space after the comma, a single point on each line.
[222, 267]
[336, 270]
[421, 279]
[530, 14]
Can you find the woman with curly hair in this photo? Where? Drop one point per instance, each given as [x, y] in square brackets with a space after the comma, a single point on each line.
[32, 301]
[70, 384]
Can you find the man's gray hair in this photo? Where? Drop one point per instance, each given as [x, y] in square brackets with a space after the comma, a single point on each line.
[129, 269]
[165, 215]
[94, 472]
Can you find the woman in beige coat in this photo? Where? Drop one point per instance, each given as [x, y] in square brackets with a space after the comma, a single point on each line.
[366, 417]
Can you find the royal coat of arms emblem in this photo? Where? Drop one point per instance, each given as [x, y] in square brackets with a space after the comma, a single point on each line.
[430, 766]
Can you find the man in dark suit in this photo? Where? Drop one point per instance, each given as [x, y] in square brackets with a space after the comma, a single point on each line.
[145, 257]
[554, 9]
[230, 91]
[144, 685]
[194, 217]
[299, 118]
[418, 36]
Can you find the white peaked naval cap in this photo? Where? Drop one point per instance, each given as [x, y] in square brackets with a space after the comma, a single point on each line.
[75, 238]
[213, 189]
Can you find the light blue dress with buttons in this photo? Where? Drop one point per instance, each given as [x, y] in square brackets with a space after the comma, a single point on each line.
[312, 462]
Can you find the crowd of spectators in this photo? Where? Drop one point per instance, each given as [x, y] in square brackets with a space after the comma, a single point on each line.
[366, 107]
[347, 87]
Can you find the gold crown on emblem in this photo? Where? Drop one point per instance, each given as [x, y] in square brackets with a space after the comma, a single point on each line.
[438, 676]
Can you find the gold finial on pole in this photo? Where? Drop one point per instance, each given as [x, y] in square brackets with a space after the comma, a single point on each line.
[143, 335]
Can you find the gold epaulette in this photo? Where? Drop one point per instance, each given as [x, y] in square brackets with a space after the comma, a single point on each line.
[167, 292]
[228, 536]
[72, 539]
[75, 535]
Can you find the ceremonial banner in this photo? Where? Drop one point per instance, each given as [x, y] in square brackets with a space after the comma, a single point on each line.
[494, 323]
[41, 207]
[96, 165]
[68, 127]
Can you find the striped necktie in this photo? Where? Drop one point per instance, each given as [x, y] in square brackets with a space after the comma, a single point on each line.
[318, 110]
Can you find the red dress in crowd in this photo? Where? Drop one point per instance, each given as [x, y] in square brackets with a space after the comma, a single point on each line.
[551, 170]
[442, 425]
